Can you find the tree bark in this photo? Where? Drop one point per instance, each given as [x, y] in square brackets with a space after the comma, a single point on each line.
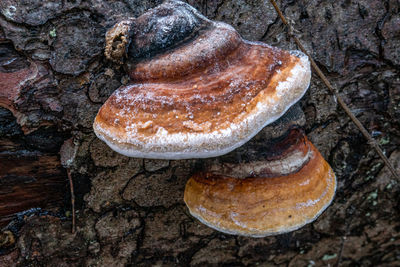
[54, 78]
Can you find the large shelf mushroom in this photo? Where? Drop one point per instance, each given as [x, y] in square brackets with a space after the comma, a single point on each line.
[198, 90]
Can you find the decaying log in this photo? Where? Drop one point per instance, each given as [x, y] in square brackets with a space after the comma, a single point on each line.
[29, 180]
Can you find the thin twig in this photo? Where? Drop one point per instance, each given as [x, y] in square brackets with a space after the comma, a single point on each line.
[346, 109]
[343, 240]
[71, 186]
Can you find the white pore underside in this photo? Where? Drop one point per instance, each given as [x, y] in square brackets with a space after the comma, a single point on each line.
[164, 145]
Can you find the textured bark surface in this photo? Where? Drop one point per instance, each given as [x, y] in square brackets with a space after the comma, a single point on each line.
[54, 78]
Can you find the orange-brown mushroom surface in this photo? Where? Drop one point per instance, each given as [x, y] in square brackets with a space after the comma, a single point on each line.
[198, 89]
[291, 187]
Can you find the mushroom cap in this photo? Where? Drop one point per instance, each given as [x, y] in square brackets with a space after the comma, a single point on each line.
[198, 89]
[287, 190]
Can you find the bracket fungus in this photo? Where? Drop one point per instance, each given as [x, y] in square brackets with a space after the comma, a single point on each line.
[197, 88]
[288, 188]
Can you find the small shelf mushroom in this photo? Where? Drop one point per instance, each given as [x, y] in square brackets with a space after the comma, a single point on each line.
[197, 88]
[287, 189]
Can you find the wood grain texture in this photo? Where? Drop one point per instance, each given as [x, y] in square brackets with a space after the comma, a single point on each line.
[29, 180]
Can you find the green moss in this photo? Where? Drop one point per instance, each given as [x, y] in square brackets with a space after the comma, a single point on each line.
[328, 257]
[390, 185]
[373, 195]
[384, 140]
[53, 33]
[369, 177]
